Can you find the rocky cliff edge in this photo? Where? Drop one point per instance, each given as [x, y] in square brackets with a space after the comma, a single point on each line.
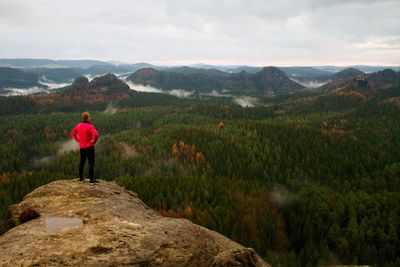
[107, 225]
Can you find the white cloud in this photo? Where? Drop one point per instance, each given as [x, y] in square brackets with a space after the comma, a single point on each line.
[147, 88]
[380, 42]
[50, 84]
[246, 101]
[10, 91]
[284, 32]
[180, 93]
[143, 88]
[215, 93]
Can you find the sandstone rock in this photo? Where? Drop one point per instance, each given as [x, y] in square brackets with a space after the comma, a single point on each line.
[118, 229]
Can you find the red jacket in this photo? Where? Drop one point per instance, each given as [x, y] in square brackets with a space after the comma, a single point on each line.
[85, 134]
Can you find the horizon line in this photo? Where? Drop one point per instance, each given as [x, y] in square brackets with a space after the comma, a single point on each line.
[213, 63]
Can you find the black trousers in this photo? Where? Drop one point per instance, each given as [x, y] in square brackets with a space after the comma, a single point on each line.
[87, 153]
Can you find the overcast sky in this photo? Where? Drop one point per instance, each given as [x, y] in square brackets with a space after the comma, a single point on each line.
[171, 32]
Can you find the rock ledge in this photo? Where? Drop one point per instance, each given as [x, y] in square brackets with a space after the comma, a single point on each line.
[118, 230]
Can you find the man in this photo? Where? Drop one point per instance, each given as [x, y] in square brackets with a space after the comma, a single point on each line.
[86, 135]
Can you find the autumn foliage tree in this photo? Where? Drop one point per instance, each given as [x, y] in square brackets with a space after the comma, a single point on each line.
[187, 155]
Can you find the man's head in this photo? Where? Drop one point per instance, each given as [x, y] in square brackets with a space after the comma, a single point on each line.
[86, 116]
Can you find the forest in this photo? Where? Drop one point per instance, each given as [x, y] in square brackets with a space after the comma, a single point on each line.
[305, 180]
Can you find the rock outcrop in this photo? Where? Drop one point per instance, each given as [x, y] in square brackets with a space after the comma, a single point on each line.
[103, 89]
[81, 82]
[108, 82]
[106, 225]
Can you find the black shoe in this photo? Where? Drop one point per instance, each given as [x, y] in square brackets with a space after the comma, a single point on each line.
[79, 180]
[92, 182]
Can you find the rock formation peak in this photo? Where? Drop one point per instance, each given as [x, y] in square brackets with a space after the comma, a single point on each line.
[107, 225]
[81, 81]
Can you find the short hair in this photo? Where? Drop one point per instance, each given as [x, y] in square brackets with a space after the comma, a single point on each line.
[85, 116]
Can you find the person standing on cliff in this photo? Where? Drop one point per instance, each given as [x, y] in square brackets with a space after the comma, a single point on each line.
[86, 135]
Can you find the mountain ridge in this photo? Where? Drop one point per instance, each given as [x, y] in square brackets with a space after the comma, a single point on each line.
[369, 83]
[267, 80]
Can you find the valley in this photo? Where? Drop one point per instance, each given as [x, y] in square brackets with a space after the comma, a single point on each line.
[306, 177]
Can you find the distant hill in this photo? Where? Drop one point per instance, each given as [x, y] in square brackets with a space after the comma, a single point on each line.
[347, 73]
[249, 69]
[189, 70]
[344, 79]
[41, 63]
[59, 75]
[16, 78]
[198, 77]
[268, 80]
[117, 69]
[100, 90]
[175, 80]
[307, 76]
[369, 83]
[363, 68]
[274, 80]
[67, 74]
[354, 82]
[384, 79]
[304, 71]
[84, 64]
[242, 81]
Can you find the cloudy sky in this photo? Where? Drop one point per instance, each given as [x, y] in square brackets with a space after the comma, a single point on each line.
[171, 32]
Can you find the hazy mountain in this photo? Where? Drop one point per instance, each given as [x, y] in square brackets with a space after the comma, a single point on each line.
[16, 78]
[49, 63]
[347, 73]
[307, 76]
[25, 62]
[189, 70]
[199, 77]
[84, 64]
[304, 71]
[205, 66]
[117, 69]
[248, 69]
[363, 68]
[370, 69]
[59, 75]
